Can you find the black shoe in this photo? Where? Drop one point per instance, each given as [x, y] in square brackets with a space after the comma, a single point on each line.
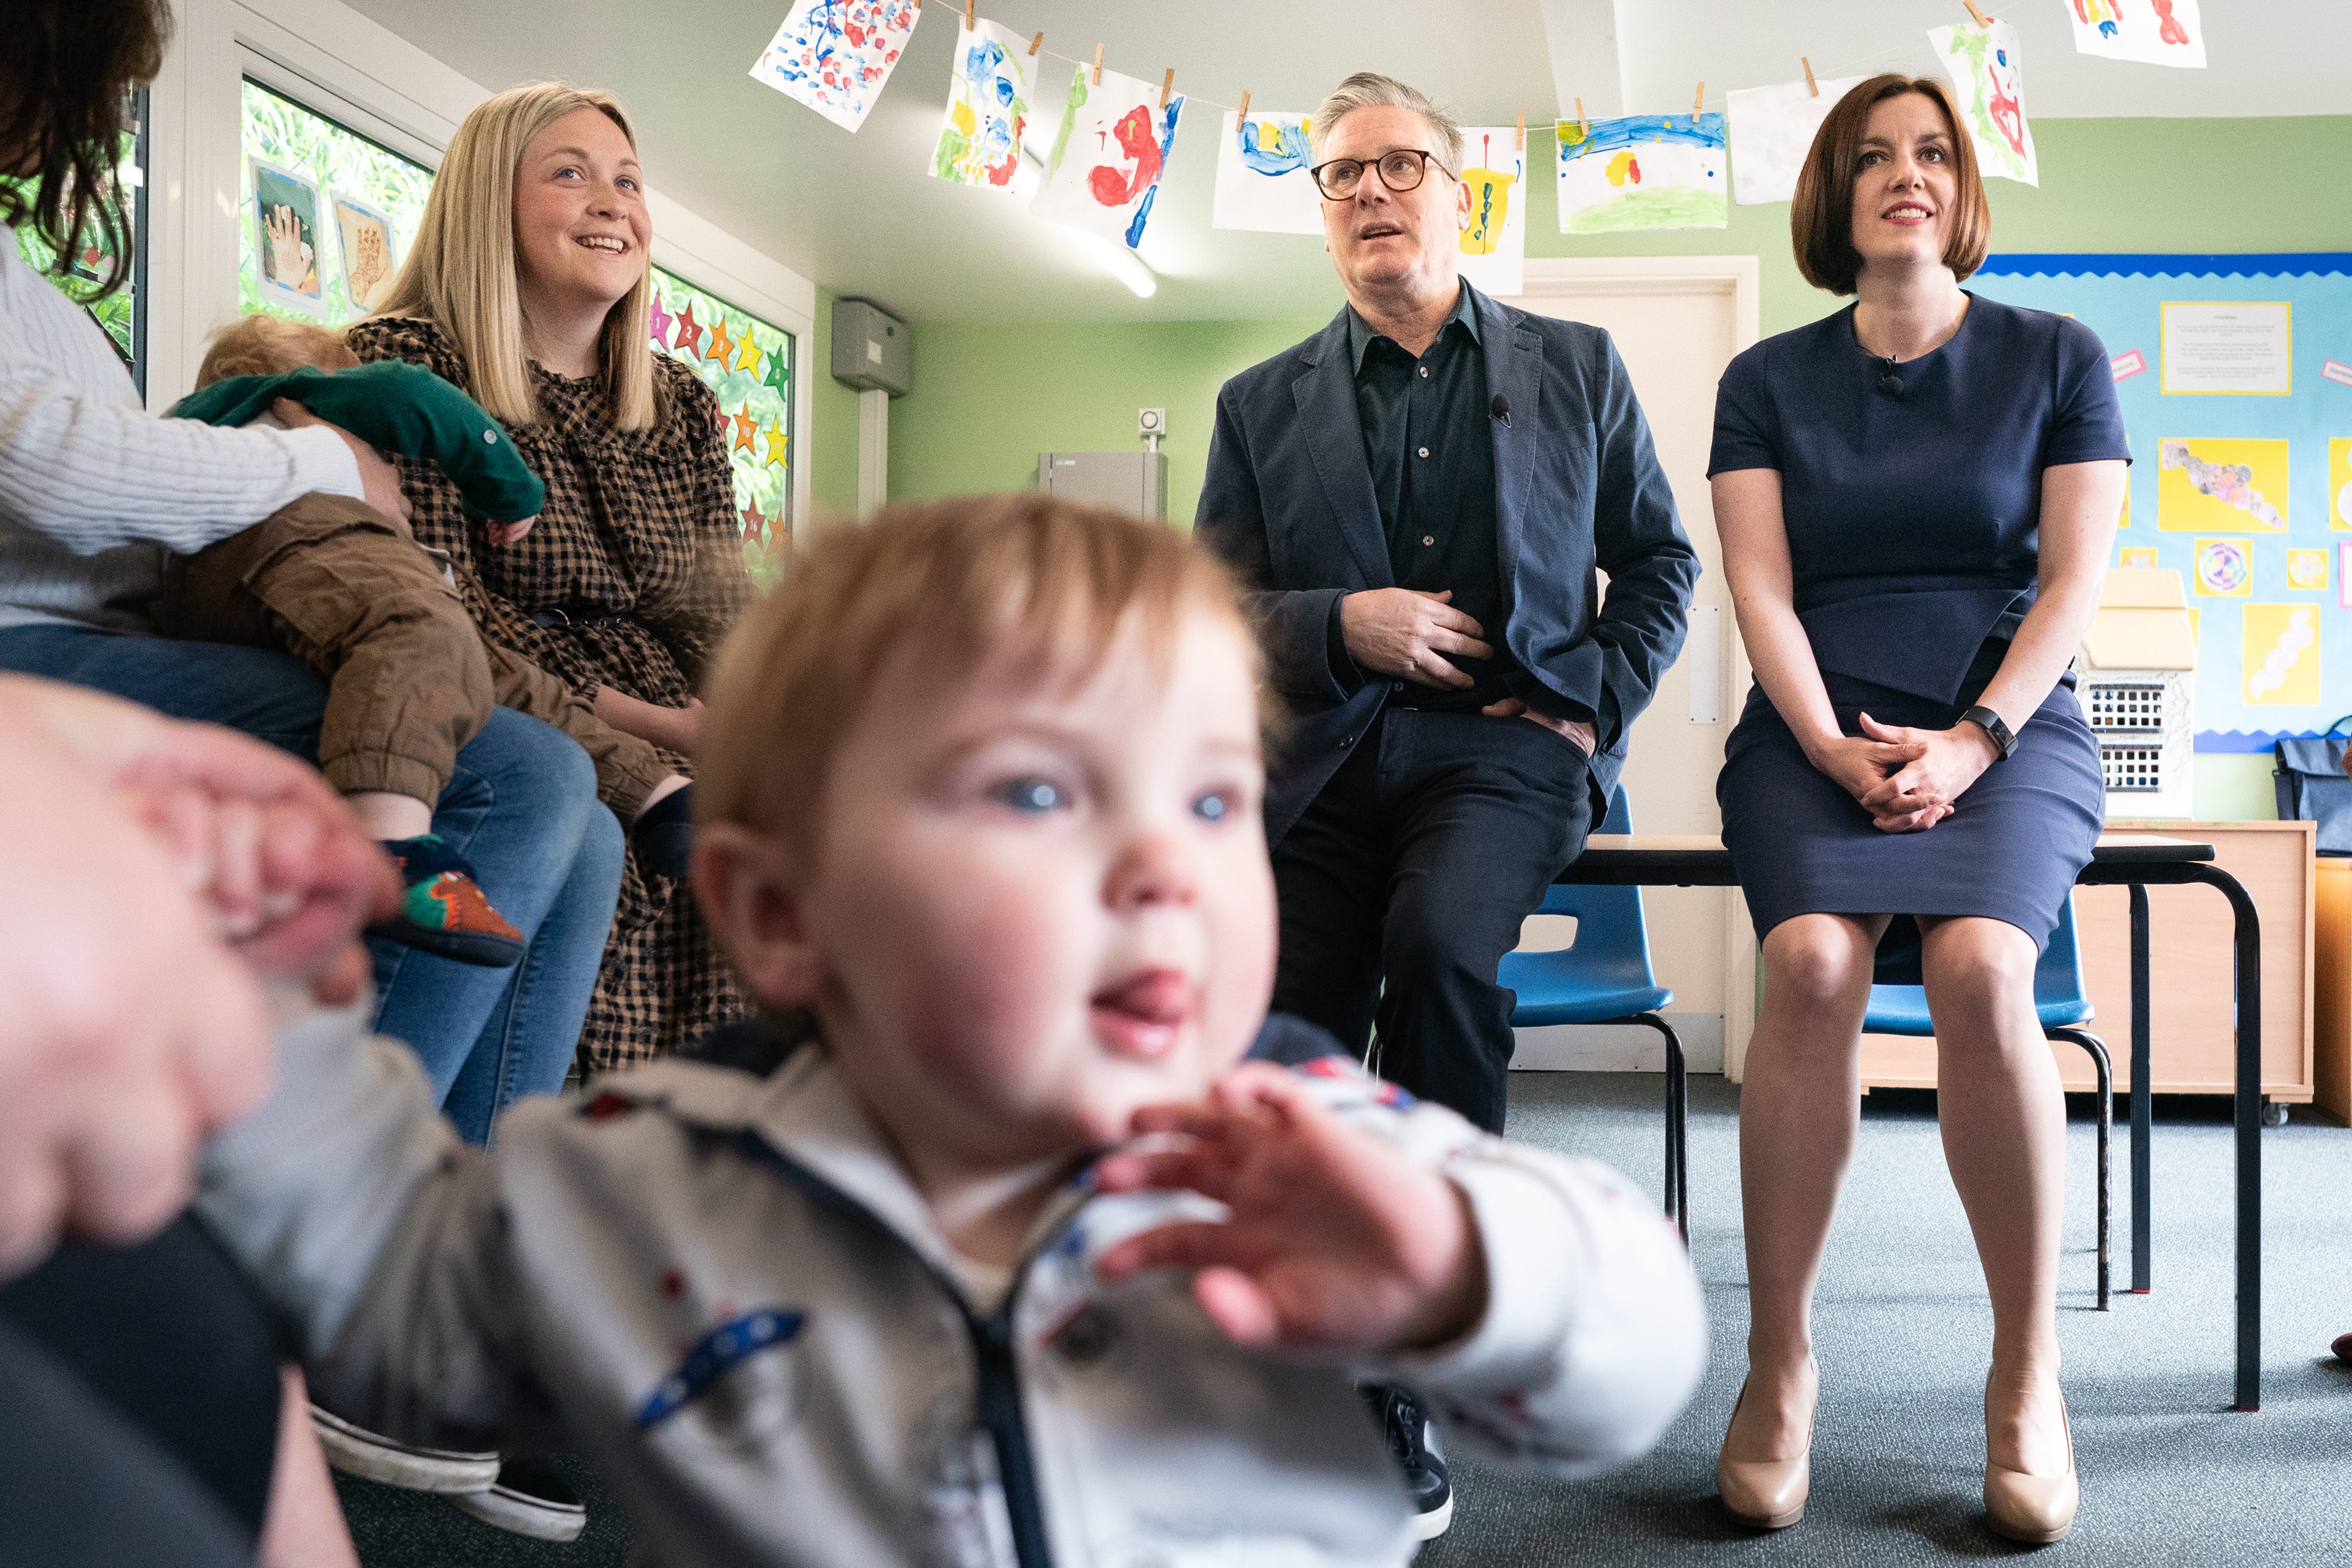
[529, 1498]
[1412, 1443]
[664, 834]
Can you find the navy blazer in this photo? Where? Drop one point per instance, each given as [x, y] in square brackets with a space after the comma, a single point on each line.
[1289, 504]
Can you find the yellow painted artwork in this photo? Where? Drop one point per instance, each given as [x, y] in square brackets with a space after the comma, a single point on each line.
[2339, 484]
[2136, 558]
[2224, 568]
[2307, 569]
[2282, 654]
[2201, 485]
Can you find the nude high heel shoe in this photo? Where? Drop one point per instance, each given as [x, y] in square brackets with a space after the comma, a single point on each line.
[2033, 1510]
[1766, 1494]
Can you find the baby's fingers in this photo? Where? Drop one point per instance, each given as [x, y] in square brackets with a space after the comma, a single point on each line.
[1188, 1244]
[1171, 1170]
[1243, 1313]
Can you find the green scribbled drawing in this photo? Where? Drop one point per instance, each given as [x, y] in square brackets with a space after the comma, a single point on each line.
[1975, 45]
[1077, 102]
[1674, 207]
[954, 148]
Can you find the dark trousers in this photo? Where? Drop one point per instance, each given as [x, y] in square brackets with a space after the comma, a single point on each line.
[139, 1397]
[1407, 879]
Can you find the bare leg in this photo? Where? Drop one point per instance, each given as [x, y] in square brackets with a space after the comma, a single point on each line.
[303, 1527]
[2003, 1116]
[388, 816]
[1798, 1109]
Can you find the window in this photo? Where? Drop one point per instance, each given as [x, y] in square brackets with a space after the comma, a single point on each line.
[328, 186]
[122, 313]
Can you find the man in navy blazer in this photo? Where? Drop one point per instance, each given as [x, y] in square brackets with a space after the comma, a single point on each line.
[1416, 499]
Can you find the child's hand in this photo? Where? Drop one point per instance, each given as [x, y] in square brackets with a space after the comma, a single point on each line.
[509, 533]
[1336, 1241]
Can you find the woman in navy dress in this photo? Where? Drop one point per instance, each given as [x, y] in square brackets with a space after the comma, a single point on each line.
[1916, 496]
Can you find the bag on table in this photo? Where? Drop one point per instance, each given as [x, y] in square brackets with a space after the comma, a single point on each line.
[2313, 787]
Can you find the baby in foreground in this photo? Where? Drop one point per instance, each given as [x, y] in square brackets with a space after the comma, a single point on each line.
[989, 1248]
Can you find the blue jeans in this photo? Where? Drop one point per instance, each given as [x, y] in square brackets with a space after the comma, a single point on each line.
[522, 806]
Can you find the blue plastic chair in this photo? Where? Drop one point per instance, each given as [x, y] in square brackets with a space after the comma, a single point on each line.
[2063, 1007]
[1603, 977]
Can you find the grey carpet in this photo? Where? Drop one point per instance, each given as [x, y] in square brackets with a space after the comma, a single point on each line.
[2169, 1474]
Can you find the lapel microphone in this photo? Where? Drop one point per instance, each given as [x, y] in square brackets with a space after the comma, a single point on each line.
[1888, 382]
[1500, 409]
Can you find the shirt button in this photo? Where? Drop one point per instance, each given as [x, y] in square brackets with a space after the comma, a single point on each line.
[1396, 686]
[1346, 741]
[1425, 452]
[1424, 370]
[1428, 538]
[490, 436]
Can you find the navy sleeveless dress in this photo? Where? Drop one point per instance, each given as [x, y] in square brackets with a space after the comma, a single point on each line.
[1913, 520]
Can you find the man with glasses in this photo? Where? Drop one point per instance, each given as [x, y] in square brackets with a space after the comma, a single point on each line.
[1417, 500]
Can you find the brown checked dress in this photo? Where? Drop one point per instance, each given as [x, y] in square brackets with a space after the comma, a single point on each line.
[629, 580]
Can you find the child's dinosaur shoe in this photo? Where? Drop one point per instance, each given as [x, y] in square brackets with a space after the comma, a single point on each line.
[443, 910]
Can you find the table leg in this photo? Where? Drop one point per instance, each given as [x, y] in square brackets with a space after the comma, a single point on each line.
[2142, 1101]
[2249, 1128]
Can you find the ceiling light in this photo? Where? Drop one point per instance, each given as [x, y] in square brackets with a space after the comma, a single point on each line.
[1131, 270]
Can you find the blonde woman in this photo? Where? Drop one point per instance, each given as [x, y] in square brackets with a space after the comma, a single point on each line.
[527, 287]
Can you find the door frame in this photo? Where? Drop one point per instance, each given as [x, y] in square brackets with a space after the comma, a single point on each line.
[1741, 277]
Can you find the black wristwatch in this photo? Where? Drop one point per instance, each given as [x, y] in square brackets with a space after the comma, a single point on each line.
[1984, 718]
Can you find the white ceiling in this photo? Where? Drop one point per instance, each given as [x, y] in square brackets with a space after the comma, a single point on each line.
[858, 213]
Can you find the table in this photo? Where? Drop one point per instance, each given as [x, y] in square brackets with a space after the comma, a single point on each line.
[2127, 860]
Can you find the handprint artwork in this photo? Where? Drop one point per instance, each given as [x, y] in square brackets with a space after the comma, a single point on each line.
[368, 261]
[285, 238]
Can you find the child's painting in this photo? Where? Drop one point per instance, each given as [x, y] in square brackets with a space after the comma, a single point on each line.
[2204, 485]
[1772, 129]
[285, 238]
[1262, 179]
[2224, 568]
[2339, 484]
[1108, 154]
[2280, 654]
[1988, 84]
[1494, 245]
[835, 55]
[371, 253]
[1642, 172]
[2151, 32]
[988, 108]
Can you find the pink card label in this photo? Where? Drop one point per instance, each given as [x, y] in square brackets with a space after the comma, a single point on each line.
[2127, 365]
[2338, 372]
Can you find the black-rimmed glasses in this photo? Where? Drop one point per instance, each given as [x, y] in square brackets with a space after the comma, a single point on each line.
[1400, 171]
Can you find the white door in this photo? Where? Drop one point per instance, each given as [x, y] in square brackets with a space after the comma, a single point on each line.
[1676, 322]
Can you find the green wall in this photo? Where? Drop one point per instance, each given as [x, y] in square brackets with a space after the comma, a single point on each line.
[990, 396]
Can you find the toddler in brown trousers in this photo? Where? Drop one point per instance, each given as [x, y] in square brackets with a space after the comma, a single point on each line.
[348, 590]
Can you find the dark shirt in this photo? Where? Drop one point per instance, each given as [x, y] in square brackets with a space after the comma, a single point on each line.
[1914, 520]
[1433, 463]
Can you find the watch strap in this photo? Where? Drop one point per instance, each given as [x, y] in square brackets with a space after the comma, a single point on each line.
[2004, 741]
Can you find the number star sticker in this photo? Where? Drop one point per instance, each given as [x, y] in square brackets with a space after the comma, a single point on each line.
[745, 425]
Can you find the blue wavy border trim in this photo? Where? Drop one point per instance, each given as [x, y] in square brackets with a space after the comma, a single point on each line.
[2162, 264]
[2246, 742]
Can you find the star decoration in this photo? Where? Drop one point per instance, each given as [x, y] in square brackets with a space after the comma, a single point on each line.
[745, 425]
[754, 525]
[689, 335]
[659, 319]
[723, 347]
[747, 352]
[775, 376]
[776, 441]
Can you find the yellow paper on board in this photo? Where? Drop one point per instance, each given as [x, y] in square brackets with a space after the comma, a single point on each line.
[1490, 207]
[2204, 485]
[2135, 559]
[2281, 655]
[2223, 569]
[2307, 569]
[2339, 485]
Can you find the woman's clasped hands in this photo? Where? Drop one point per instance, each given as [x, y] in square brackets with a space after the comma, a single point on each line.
[1907, 778]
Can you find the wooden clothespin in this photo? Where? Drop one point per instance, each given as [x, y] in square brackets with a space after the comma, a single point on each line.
[968, 5]
[1036, 43]
[1523, 130]
[1098, 49]
[1583, 126]
[1698, 102]
[1980, 16]
[1242, 113]
[1808, 75]
[1167, 85]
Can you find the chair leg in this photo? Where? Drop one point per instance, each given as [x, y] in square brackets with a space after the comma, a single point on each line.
[2103, 1066]
[1677, 1124]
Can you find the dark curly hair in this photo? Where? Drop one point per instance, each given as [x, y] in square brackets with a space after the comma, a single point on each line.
[66, 78]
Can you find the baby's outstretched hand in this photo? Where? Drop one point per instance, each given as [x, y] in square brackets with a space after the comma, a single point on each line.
[509, 533]
[1336, 1242]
